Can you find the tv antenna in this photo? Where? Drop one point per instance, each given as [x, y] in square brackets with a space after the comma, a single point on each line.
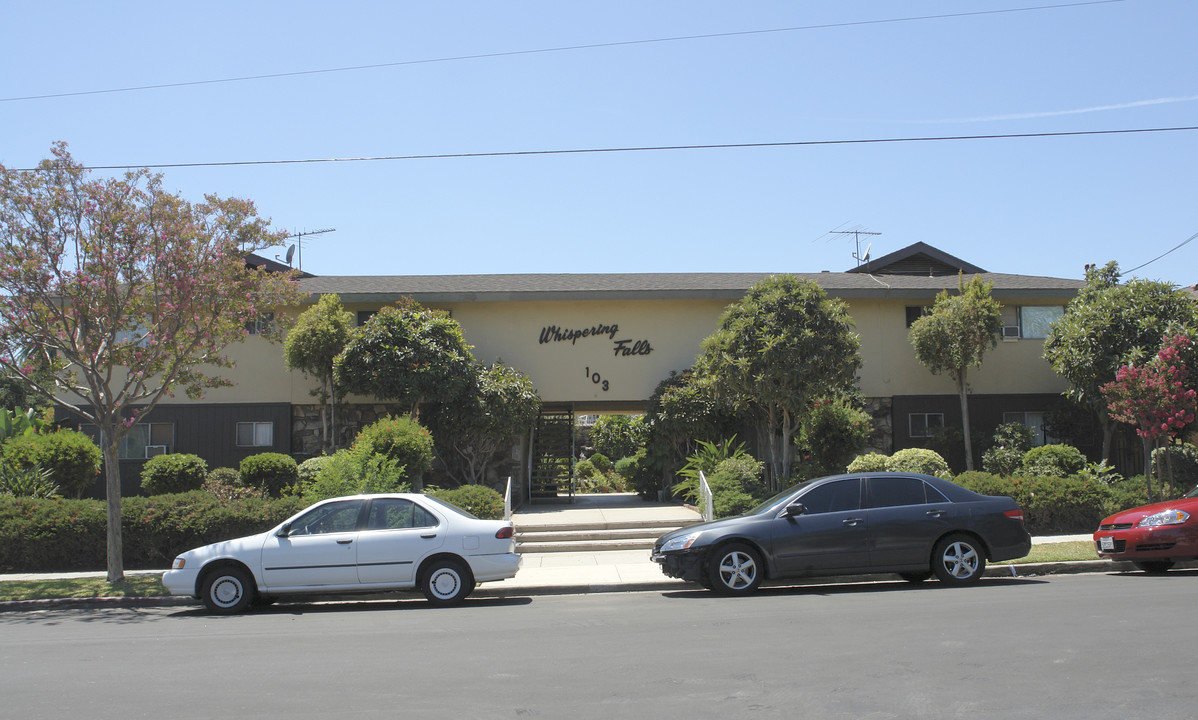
[857, 254]
[299, 242]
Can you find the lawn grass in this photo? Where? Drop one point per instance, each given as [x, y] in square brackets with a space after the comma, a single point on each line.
[1060, 552]
[132, 586]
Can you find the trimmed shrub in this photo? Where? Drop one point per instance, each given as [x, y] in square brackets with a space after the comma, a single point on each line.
[869, 462]
[175, 473]
[353, 471]
[919, 460]
[273, 473]
[38, 535]
[71, 458]
[1053, 461]
[478, 500]
[225, 484]
[600, 462]
[403, 440]
[731, 503]
[584, 469]
[1051, 505]
[310, 468]
[643, 478]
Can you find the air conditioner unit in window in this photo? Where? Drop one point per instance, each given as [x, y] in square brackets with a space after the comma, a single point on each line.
[1010, 332]
[152, 450]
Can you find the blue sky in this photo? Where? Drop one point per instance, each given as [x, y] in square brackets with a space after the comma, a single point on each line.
[1039, 206]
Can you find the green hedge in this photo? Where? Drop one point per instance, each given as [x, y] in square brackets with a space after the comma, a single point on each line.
[478, 500]
[62, 535]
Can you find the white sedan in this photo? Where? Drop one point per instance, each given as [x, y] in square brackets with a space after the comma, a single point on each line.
[364, 543]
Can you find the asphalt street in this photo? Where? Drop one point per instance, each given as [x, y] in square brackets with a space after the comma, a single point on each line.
[1080, 646]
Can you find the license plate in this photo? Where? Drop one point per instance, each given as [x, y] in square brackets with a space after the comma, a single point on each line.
[1106, 543]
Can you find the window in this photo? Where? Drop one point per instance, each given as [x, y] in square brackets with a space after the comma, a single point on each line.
[364, 315]
[1034, 320]
[895, 491]
[924, 424]
[144, 440]
[915, 312]
[839, 496]
[334, 517]
[397, 513]
[1033, 421]
[263, 325]
[255, 434]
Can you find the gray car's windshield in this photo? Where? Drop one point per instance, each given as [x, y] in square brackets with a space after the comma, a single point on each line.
[778, 498]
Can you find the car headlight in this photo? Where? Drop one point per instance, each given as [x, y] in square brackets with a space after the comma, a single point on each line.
[681, 542]
[178, 564]
[1165, 517]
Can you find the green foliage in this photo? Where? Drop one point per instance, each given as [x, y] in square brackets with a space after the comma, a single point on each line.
[1005, 456]
[320, 334]
[705, 460]
[1053, 460]
[737, 485]
[29, 481]
[601, 462]
[478, 500]
[471, 432]
[618, 436]
[409, 355]
[1051, 505]
[71, 458]
[585, 469]
[175, 473]
[640, 475]
[310, 468]
[274, 473]
[353, 471]
[775, 352]
[830, 436]
[402, 440]
[16, 422]
[918, 460]
[1180, 462]
[38, 535]
[225, 484]
[869, 462]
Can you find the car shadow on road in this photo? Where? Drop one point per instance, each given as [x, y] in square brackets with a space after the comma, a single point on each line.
[1191, 572]
[843, 588]
[310, 607]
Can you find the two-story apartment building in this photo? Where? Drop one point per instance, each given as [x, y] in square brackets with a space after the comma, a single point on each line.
[600, 343]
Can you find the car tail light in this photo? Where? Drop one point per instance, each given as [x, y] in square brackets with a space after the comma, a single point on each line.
[1015, 514]
[504, 533]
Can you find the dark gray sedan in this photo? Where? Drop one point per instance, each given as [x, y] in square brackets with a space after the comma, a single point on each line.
[910, 524]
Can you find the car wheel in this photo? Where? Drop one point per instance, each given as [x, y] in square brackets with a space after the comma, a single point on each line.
[1153, 567]
[227, 590]
[915, 577]
[446, 582]
[735, 570]
[958, 560]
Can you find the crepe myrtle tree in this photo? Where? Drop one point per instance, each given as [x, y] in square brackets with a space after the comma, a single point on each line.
[955, 335]
[115, 293]
[1154, 398]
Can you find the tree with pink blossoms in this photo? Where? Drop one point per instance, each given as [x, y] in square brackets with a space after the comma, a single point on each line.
[1154, 397]
[126, 293]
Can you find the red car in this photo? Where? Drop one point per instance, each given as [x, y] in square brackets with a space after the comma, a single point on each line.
[1153, 537]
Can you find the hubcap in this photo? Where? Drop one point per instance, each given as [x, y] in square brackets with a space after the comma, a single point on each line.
[961, 560]
[226, 591]
[737, 570]
[445, 583]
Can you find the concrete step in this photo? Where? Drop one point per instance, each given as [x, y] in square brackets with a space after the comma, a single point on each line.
[584, 534]
[585, 545]
[592, 537]
[524, 528]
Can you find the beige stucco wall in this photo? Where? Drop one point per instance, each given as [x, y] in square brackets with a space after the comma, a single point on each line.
[669, 333]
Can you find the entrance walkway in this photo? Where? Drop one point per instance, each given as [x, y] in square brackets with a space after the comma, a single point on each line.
[605, 508]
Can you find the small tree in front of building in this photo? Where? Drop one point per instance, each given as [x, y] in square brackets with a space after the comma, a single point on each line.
[955, 335]
[115, 293]
[318, 337]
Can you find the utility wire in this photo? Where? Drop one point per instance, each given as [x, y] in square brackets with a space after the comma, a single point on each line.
[512, 53]
[1158, 257]
[655, 148]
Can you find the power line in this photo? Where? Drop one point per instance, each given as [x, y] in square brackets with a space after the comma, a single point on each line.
[566, 48]
[1158, 257]
[654, 148]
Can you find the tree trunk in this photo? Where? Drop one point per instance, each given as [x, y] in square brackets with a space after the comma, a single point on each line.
[112, 482]
[963, 389]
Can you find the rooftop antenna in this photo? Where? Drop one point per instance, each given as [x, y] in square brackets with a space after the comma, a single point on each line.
[857, 255]
[299, 241]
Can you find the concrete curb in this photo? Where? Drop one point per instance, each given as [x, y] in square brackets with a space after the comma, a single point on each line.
[498, 590]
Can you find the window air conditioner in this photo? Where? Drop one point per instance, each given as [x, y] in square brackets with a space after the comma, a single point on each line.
[152, 450]
[1010, 332]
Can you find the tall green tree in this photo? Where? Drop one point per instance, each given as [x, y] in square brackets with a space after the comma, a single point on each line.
[955, 335]
[498, 406]
[1109, 325]
[126, 293]
[777, 351]
[407, 354]
[319, 335]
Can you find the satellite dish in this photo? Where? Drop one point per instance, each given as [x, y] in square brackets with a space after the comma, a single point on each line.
[290, 254]
[864, 258]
